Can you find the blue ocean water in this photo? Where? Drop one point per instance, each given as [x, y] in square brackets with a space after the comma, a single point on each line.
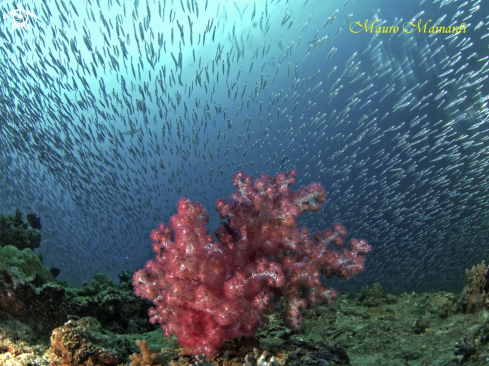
[112, 110]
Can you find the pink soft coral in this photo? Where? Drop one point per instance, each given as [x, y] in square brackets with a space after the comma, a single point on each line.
[206, 292]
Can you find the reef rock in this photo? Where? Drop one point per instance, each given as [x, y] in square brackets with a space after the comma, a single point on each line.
[84, 342]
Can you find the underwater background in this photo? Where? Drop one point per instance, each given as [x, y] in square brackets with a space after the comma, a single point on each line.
[112, 110]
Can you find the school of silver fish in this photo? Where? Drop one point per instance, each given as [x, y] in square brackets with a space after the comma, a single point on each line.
[110, 110]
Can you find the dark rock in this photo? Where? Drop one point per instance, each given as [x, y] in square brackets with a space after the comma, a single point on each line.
[317, 353]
